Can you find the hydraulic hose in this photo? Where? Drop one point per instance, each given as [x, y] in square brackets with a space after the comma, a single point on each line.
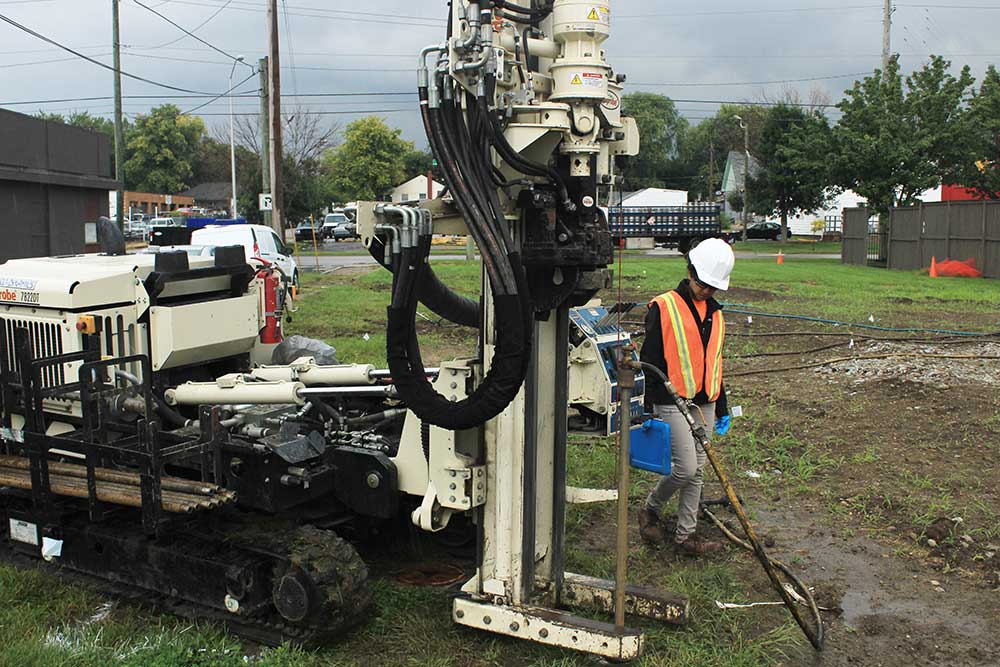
[441, 299]
[816, 636]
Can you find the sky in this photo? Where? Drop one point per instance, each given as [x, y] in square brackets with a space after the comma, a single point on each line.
[331, 51]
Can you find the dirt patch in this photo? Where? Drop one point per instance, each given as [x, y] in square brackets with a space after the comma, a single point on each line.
[893, 611]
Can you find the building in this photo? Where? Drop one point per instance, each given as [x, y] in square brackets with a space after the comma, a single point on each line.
[211, 196]
[415, 189]
[54, 183]
[151, 204]
[734, 178]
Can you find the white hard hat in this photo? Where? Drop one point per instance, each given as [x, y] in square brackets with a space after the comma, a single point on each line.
[713, 261]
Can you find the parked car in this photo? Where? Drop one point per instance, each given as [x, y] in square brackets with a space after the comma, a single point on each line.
[257, 240]
[306, 230]
[766, 230]
[330, 223]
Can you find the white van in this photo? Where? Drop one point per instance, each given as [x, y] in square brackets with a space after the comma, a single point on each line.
[257, 240]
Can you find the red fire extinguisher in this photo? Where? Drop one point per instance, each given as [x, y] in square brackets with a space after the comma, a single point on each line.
[271, 333]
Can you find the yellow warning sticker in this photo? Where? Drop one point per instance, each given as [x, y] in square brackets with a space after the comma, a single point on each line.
[599, 14]
[576, 80]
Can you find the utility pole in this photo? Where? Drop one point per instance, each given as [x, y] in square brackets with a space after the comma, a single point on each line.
[746, 173]
[886, 34]
[265, 134]
[119, 133]
[274, 115]
[711, 172]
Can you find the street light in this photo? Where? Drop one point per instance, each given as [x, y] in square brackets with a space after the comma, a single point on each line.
[232, 134]
[746, 171]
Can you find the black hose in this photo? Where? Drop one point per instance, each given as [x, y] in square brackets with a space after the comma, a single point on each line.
[168, 414]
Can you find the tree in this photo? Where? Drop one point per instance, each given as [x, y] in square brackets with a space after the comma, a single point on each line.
[418, 163]
[161, 148]
[660, 128]
[369, 162]
[894, 141]
[981, 172]
[793, 154]
[716, 136]
[306, 138]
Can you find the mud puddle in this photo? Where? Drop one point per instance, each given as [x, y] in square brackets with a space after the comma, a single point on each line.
[893, 611]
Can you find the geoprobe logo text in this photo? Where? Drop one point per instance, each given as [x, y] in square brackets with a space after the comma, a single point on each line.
[8, 295]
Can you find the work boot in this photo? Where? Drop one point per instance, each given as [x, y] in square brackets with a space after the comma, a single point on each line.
[651, 527]
[697, 546]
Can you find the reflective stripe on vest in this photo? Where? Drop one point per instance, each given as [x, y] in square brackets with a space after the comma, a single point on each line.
[689, 364]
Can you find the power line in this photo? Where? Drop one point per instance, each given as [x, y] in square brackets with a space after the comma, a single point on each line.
[220, 95]
[336, 15]
[744, 12]
[193, 30]
[46, 62]
[42, 37]
[758, 83]
[191, 34]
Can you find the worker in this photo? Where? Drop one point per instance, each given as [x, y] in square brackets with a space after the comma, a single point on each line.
[685, 333]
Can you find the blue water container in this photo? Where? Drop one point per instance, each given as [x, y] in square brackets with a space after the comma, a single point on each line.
[650, 448]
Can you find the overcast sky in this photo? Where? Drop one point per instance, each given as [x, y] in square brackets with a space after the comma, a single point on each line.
[692, 51]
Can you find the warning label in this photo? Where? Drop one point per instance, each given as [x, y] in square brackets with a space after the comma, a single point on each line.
[600, 15]
[593, 79]
[577, 81]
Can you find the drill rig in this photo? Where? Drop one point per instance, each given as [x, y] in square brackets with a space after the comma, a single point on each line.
[149, 441]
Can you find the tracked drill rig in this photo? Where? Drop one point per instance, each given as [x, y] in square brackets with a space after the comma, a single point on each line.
[149, 441]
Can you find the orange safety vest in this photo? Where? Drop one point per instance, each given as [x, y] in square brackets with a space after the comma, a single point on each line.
[691, 366]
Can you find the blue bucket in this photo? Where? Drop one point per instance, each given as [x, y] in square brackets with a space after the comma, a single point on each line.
[650, 448]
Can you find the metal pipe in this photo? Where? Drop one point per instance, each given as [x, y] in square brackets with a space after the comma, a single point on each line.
[626, 382]
[383, 373]
[473, 19]
[387, 391]
[339, 375]
[118, 476]
[214, 393]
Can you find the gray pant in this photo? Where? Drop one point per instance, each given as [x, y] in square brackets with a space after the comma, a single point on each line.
[687, 460]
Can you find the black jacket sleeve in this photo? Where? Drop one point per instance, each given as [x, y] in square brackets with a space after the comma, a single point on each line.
[722, 403]
[652, 353]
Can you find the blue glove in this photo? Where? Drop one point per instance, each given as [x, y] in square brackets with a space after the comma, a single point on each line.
[722, 425]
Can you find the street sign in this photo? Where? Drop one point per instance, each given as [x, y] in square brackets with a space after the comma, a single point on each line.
[266, 201]
[169, 200]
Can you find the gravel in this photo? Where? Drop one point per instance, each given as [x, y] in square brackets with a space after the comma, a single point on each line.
[940, 373]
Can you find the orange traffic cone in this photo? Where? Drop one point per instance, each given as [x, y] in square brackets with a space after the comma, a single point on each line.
[934, 273]
[781, 258]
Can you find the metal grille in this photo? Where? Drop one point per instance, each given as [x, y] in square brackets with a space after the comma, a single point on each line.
[878, 244]
[46, 341]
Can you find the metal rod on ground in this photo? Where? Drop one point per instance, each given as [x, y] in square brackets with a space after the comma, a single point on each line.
[698, 431]
[626, 382]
